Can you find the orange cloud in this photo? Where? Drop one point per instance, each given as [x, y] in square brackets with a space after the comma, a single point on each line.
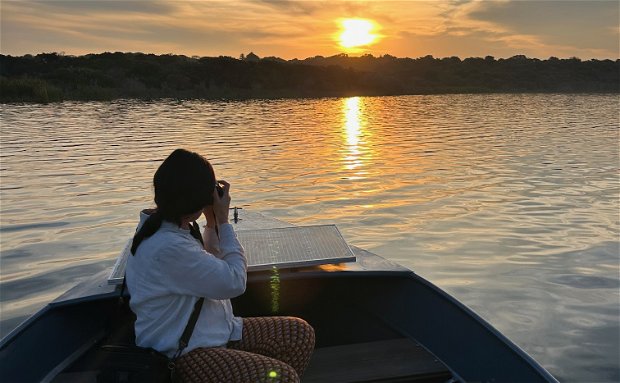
[301, 29]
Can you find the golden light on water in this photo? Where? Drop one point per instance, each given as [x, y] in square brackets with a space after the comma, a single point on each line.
[352, 121]
[355, 136]
[352, 132]
[357, 33]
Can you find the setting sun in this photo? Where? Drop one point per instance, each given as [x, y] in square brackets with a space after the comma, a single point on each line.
[356, 33]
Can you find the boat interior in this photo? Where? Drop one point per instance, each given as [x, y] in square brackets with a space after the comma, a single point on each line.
[355, 341]
[374, 320]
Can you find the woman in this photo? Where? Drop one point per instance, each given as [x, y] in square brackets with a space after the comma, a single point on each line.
[171, 269]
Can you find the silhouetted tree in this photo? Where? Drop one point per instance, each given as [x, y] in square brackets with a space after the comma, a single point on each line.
[52, 76]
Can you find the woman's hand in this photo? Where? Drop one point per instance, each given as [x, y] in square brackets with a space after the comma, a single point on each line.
[221, 205]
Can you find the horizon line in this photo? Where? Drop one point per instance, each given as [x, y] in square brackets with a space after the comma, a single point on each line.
[342, 54]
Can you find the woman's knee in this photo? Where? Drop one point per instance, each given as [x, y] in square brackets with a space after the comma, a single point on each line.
[268, 328]
[234, 366]
[304, 333]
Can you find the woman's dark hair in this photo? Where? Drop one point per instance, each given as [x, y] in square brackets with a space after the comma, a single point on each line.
[184, 184]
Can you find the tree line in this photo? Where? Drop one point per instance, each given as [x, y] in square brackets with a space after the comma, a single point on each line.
[50, 77]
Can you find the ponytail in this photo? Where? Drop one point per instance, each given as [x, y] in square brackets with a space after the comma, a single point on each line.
[152, 224]
[149, 227]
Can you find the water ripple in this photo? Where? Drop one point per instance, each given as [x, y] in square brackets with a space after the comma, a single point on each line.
[510, 202]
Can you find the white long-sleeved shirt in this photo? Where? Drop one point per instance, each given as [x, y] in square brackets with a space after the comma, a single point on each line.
[168, 274]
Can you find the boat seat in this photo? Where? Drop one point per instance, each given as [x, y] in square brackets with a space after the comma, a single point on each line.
[395, 360]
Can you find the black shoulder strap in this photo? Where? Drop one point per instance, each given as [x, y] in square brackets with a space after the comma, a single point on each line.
[189, 328]
[194, 230]
[191, 323]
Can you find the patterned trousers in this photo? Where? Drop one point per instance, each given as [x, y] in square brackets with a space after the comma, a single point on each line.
[272, 349]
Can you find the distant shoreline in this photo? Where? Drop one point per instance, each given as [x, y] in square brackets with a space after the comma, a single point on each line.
[52, 77]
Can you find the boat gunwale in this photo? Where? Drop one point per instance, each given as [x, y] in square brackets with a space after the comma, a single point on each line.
[487, 326]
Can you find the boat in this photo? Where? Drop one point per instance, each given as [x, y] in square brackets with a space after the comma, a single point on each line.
[375, 321]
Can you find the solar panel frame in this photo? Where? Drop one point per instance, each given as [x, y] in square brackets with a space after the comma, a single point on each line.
[294, 246]
[118, 270]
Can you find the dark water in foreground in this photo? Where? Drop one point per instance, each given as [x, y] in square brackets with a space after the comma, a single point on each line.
[508, 202]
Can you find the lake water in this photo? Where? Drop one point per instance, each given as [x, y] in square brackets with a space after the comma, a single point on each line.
[508, 202]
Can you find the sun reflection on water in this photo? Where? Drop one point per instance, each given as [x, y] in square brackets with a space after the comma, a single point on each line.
[354, 133]
[352, 121]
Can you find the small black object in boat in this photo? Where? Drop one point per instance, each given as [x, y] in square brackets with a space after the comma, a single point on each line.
[236, 214]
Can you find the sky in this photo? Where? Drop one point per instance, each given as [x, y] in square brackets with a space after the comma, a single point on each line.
[300, 29]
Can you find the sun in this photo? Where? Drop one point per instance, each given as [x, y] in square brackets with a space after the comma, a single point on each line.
[357, 33]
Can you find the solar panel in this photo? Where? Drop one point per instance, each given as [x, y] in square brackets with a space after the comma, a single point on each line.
[284, 247]
[294, 246]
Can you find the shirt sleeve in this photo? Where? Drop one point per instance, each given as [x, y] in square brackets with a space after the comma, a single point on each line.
[190, 270]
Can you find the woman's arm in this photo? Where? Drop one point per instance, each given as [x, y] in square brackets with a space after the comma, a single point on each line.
[216, 214]
[210, 237]
[189, 270]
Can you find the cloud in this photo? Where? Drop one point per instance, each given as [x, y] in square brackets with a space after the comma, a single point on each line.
[307, 28]
[103, 6]
[580, 24]
[34, 26]
[294, 7]
[186, 27]
[535, 28]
